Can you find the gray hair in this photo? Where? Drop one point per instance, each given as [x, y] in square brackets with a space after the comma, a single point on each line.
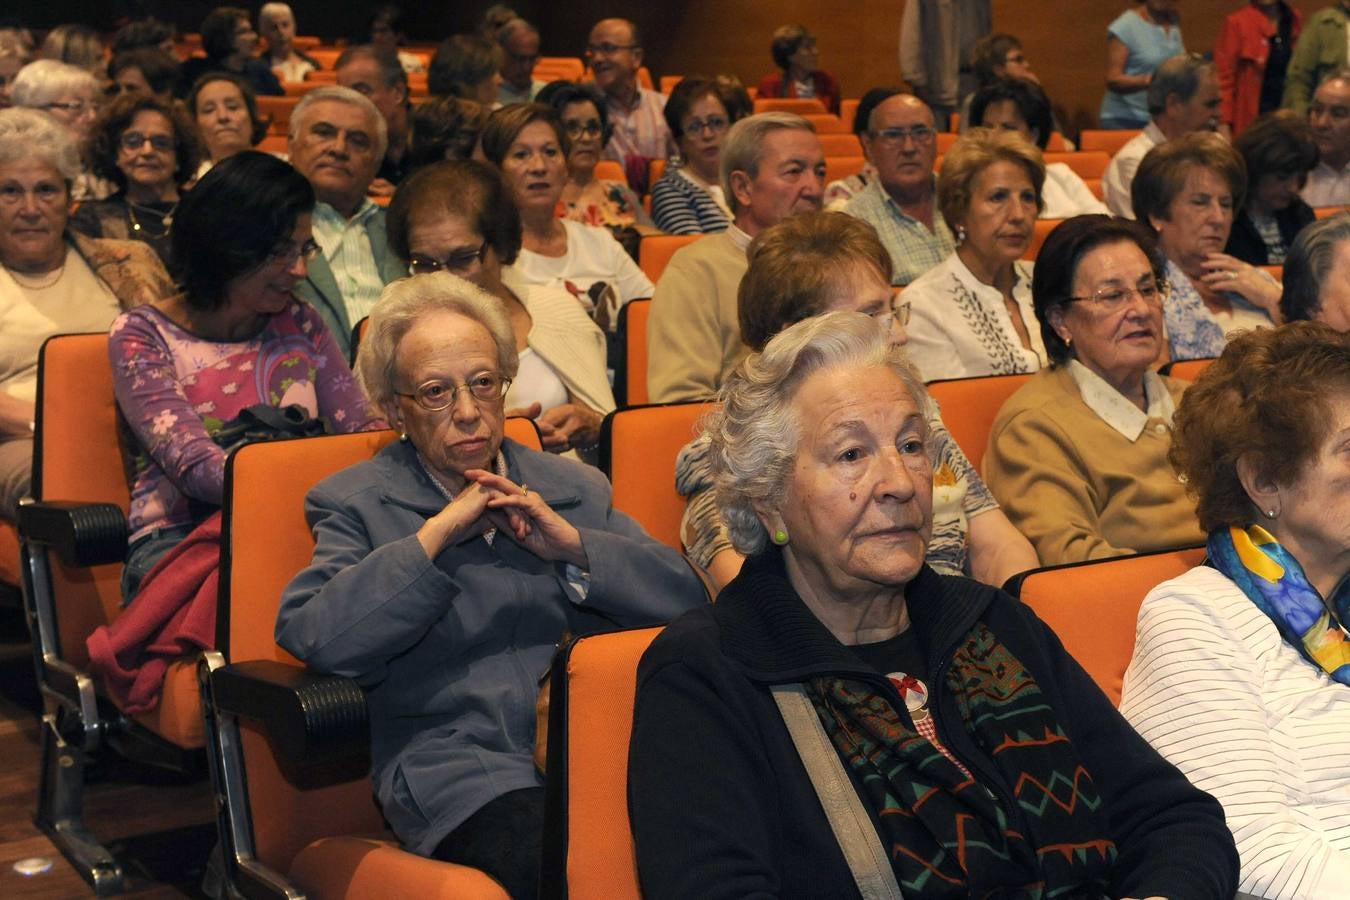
[28, 134]
[400, 306]
[1308, 265]
[48, 80]
[1179, 75]
[743, 147]
[754, 435]
[341, 95]
[392, 72]
[508, 31]
[269, 10]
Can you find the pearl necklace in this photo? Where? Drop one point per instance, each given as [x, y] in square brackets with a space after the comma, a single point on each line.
[500, 466]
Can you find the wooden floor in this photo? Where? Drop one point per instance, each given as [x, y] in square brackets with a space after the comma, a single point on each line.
[159, 826]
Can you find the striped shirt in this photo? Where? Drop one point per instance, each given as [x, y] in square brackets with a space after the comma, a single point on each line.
[913, 247]
[346, 248]
[679, 206]
[1214, 688]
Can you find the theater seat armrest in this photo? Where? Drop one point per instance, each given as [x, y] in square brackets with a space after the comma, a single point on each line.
[83, 534]
[310, 719]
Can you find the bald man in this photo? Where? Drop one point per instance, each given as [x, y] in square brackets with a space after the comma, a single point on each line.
[636, 115]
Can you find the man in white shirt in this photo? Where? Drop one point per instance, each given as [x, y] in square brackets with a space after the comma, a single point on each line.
[637, 121]
[520, 52]
[772, 168]
[1183, 97]
[337, 139]
[1329, 120]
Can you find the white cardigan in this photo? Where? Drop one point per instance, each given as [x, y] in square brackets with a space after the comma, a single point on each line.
[1216, 690]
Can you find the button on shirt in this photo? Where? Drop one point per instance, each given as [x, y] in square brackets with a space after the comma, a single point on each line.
[346, 248]
[1116, 410]
[914, 249]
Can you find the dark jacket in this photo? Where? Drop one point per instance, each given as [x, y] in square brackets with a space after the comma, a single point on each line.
[257, 73]
[1244, 241]
[722, 806]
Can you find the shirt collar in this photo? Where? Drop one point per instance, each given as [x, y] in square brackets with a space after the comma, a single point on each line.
[328, 215]
[738, 237]
[967, 277]
[1153, 131]
[1115, 410]
[889, 201]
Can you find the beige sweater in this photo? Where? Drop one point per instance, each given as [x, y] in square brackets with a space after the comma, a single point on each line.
[1076, 487]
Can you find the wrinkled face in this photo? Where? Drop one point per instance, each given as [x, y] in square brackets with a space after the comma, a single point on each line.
[535, 168]
[857, 505]
[1334, 291]
[704, 127]
[455, 243]
[450, 348]
[34, 206]
[1329, 119]
[520, 53]
[363, 76]
[1119, 334]
[581, 121]
[860, 288]
[903, 157]
[612, 56]
[279, 31]
[791, 179]
[266, 291]
[1314, 518]
[1199, 219]
[222, 116]
[335, 149]
[145, 151]
[1002, 213]
[76, 110]
[1004, 115]
[245, 38]
[1201, 112]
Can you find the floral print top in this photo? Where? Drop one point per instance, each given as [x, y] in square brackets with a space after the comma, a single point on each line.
[621, 208]
[175, 390]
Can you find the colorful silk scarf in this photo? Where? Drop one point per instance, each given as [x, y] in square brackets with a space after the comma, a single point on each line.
[1273, 580]
[947, 834]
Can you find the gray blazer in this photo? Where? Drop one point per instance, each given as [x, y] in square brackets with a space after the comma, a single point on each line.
[320, 288]
[451, 652]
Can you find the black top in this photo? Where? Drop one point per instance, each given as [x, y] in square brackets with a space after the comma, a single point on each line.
[257, 73]
[1245, 242]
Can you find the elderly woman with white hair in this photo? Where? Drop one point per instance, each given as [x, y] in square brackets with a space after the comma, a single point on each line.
[838, 672]
[69, 95]
[447, 569]
[1317, 274]
[52, 280]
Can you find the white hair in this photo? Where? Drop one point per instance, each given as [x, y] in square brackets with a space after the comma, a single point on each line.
[45, 81]
[29, 133]
[269, 10]
[341, 95]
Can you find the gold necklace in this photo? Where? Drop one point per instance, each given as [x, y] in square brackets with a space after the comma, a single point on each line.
[165, 219]
[28, 283]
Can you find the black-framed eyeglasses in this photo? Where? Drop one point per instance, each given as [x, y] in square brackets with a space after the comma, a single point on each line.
[457, 262]
[1110, 299]
[895, 137]
[715, 124]
[436, 395]
[134, 140]
[589, 128]
[290, 252]
[607, 49]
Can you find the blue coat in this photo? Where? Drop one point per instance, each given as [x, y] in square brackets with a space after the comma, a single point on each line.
[450, 653]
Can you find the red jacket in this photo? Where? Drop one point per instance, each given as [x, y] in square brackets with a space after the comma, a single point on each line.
[1240, 57]
[827, 88]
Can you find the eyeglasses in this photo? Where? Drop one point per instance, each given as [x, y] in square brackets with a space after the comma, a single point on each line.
[78, 107]
[896, 313]
[1110, 299]
[45, 193]
[589, 128]
[290, 252]
[457, 262]
[607, 49]
[436, 395]
[134, 140]
[715, 124]
[895, 137]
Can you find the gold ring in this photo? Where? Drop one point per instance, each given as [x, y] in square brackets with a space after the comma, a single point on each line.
[524, 490]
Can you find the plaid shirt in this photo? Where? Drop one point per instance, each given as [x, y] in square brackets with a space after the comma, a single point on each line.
[913, 248]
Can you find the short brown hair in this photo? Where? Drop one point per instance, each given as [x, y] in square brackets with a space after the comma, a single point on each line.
[1162, 173]
[1278, 143]
[1265, 398]
[505, 124]
[467, 188]
[116, 118]
[690, 90]
[975, 151]
[794, 265]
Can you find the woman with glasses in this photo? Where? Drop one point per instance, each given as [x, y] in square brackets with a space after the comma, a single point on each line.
[187, 365]
[148, 148]
[458, 217]
[69, 95]
[585, 198]
[794, 52]
[689, 199]
[1078, 456]
[817, 263]
[231, 45]
[447, 569]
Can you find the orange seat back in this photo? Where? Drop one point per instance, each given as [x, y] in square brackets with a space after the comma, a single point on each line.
[668, 83]
[559, 68]
[611, 170]
[279, 108]
[969, 406]
[1093, 606]
[326, 57]
[1326, 212]
[848, 111]
[841, 145]
[1107, 141]
[656, 250]
[1086, 163]
[1040, 231]
[1276, 272]
[1056, 143]
[825, 123]
[837, 167]
[588, 836]
[630, 382]
[802, 107]
[656, 169]
[1188, 369]
[638, 447]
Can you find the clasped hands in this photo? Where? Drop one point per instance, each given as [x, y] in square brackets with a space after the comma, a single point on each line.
[563, 427]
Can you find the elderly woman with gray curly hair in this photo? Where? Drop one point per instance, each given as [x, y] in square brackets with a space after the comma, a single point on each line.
[838, 671]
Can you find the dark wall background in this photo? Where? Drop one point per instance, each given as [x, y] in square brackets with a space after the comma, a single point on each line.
[1064, 39]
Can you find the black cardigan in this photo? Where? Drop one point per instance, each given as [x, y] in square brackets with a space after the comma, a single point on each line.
[722, 806]
[1244, 241]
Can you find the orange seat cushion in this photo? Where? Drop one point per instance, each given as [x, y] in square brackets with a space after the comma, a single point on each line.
[350, 867]
[10, 572]
[178, 718]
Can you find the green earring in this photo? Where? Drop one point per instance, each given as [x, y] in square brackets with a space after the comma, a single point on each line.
[780, 537]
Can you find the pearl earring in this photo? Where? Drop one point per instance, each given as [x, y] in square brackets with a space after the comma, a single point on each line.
[1270, 514]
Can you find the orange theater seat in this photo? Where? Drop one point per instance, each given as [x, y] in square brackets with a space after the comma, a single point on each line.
[841, 145]
[1109, 142]
[611, 170]
[279, 109]
[638, 448]
[1326, 212]
[969, 406]
[656, 168]
[848, 109]
[559, 68]
[1040, 232]
[838, 167]
[1186, 369]
[790, 104]
[1092, 606]
[1086, 163]
[630, 378]
[656, 250]
[668, 83]
[825, 123]
[11, 572]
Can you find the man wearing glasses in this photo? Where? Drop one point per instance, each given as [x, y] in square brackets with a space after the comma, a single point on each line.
[636, 115]
[520, 52]
[901, 202]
